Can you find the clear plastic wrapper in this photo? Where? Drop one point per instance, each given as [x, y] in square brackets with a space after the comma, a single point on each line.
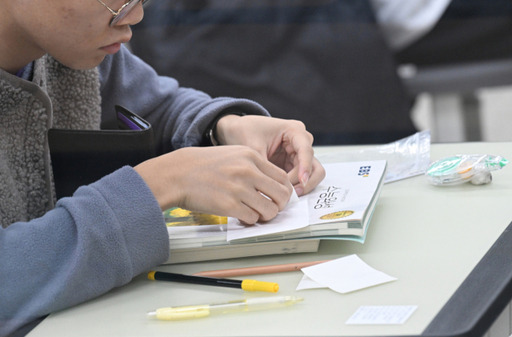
[406, 157]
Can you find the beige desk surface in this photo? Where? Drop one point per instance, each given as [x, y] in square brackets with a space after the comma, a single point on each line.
[430, 238]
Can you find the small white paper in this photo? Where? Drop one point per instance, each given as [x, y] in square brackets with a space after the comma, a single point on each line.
[293, 198]
[307, 283]
[294, 216]
[381, 314]
[343, 275]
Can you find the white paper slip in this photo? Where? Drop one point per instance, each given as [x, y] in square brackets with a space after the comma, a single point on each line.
[307, 283]
[381, 314]
[343, 275]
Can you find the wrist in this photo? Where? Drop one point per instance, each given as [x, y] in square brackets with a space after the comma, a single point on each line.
[225, 128]
[216, 133]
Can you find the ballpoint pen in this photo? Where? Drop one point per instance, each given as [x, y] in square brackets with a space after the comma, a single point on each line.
[199, 311]
[247, 285]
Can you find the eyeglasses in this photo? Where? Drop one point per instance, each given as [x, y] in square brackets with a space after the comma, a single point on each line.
[123, 11]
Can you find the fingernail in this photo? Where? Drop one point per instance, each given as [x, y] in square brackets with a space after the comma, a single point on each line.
[299, 190]
[304, 179]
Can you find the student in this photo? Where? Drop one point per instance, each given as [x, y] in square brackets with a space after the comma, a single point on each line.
[62, 65]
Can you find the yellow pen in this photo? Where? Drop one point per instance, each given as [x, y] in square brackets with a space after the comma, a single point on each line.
[199, 311]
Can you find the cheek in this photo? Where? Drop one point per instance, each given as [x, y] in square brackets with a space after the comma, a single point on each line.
[72, 15]
[81, 30]
[81, 18]
[78, 47]
[68, 13]
[70, 31]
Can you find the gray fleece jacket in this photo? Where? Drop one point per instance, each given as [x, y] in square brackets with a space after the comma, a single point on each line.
[55, 254]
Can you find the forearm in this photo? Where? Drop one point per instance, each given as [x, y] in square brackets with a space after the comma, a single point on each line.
[98, 239]
[178, 115]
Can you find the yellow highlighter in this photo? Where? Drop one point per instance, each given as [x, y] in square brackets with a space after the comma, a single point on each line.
[199, 311]
[247, 285]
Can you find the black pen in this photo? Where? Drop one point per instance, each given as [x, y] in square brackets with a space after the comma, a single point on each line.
[247, 285]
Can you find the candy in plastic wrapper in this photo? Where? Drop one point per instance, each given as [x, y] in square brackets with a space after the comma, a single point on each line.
[461, 168]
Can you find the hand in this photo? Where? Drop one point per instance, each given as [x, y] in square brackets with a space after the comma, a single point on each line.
[286, 143]
[223, 180]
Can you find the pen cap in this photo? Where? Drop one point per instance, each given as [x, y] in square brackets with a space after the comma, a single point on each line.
[253, 285]
[179, 313]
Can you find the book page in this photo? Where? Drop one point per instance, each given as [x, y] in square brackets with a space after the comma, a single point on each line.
[346, 192]
[294, 216]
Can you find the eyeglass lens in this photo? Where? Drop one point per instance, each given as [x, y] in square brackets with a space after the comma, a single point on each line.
[125, 10]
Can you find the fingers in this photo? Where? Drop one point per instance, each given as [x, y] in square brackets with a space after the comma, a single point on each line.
[286, 143]
[307, 172]
[234, 181]
[302, 186]
[270, 194]
[258, 189]
[275, 184]
[258, 208]
[316, 177]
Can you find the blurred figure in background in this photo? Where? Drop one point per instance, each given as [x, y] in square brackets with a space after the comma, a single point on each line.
[443, 32]
[324, 62]
[329, 63]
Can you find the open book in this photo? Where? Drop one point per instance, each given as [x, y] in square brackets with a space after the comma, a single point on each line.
[202, 237]
[340, 207]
